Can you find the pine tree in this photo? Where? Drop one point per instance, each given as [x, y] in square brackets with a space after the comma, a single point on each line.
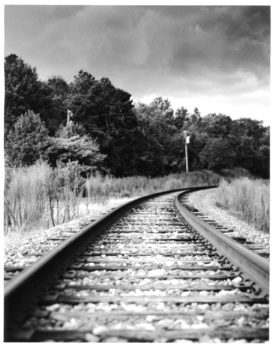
[22, 88]
[27, 140]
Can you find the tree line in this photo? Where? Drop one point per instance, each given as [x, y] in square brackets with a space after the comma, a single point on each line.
[109, 134]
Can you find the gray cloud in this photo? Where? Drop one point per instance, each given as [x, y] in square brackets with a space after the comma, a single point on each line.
[168, 50]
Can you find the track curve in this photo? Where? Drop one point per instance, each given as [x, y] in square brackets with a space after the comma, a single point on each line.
[148, 276]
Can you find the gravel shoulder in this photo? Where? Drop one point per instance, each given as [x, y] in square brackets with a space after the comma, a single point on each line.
[205, 201]
[22, 250]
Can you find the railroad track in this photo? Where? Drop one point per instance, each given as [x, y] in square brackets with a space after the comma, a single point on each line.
[259, 247]
[142, 274]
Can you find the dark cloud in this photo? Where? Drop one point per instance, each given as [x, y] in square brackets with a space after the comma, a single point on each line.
[167, 50]
[237, 22]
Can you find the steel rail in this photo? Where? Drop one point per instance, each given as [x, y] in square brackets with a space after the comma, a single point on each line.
[251, 264]
[21, 293]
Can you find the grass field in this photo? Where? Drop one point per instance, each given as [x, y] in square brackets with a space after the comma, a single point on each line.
[248, 199]
[40, 197]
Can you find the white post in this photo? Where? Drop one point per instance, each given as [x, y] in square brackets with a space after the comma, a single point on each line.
[187, 140]
[69, 114]
[186, 157]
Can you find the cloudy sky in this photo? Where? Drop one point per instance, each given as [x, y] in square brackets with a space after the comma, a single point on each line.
[213, 58]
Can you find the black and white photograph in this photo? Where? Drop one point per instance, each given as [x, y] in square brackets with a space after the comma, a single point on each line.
[136, 172]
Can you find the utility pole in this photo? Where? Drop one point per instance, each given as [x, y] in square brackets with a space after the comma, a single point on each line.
[187, 140]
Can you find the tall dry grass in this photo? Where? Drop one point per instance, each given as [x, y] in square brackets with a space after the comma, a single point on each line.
[103, 187]
[39, 196]
[65, 192]
[248, 199]
[26, 195]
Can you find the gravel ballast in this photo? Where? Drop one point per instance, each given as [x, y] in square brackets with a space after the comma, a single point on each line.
[205, 202]
[23, 250]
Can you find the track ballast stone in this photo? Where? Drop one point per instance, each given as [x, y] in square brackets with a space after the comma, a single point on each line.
[149, 278]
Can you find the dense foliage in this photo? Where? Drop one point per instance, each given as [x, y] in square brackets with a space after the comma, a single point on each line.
[27, 140]
[108, 133]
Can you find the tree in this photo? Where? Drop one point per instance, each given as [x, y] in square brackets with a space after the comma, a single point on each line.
[181, 116]
[72, 145]
[248, 128]
[217, 154]
[263, 162]
[150, 150]
[162, 145]
[82, 83]
[198, 140]
[215, 125]
[82, 149]
[57, 91]
[59, 87]
[251, 145]
[106, 113]
[204, 130]
[143, 140]
[22, 89]
[27, 141]
[162, 105]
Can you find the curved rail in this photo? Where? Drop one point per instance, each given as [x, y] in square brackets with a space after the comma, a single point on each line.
[24, 290]
[254, 266]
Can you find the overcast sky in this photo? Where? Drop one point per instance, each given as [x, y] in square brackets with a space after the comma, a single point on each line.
[213, 58]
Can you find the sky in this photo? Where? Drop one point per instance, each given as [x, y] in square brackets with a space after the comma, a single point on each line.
[215, 58]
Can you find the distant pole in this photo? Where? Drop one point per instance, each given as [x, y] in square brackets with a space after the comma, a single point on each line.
[187, 140]
[186, 157]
